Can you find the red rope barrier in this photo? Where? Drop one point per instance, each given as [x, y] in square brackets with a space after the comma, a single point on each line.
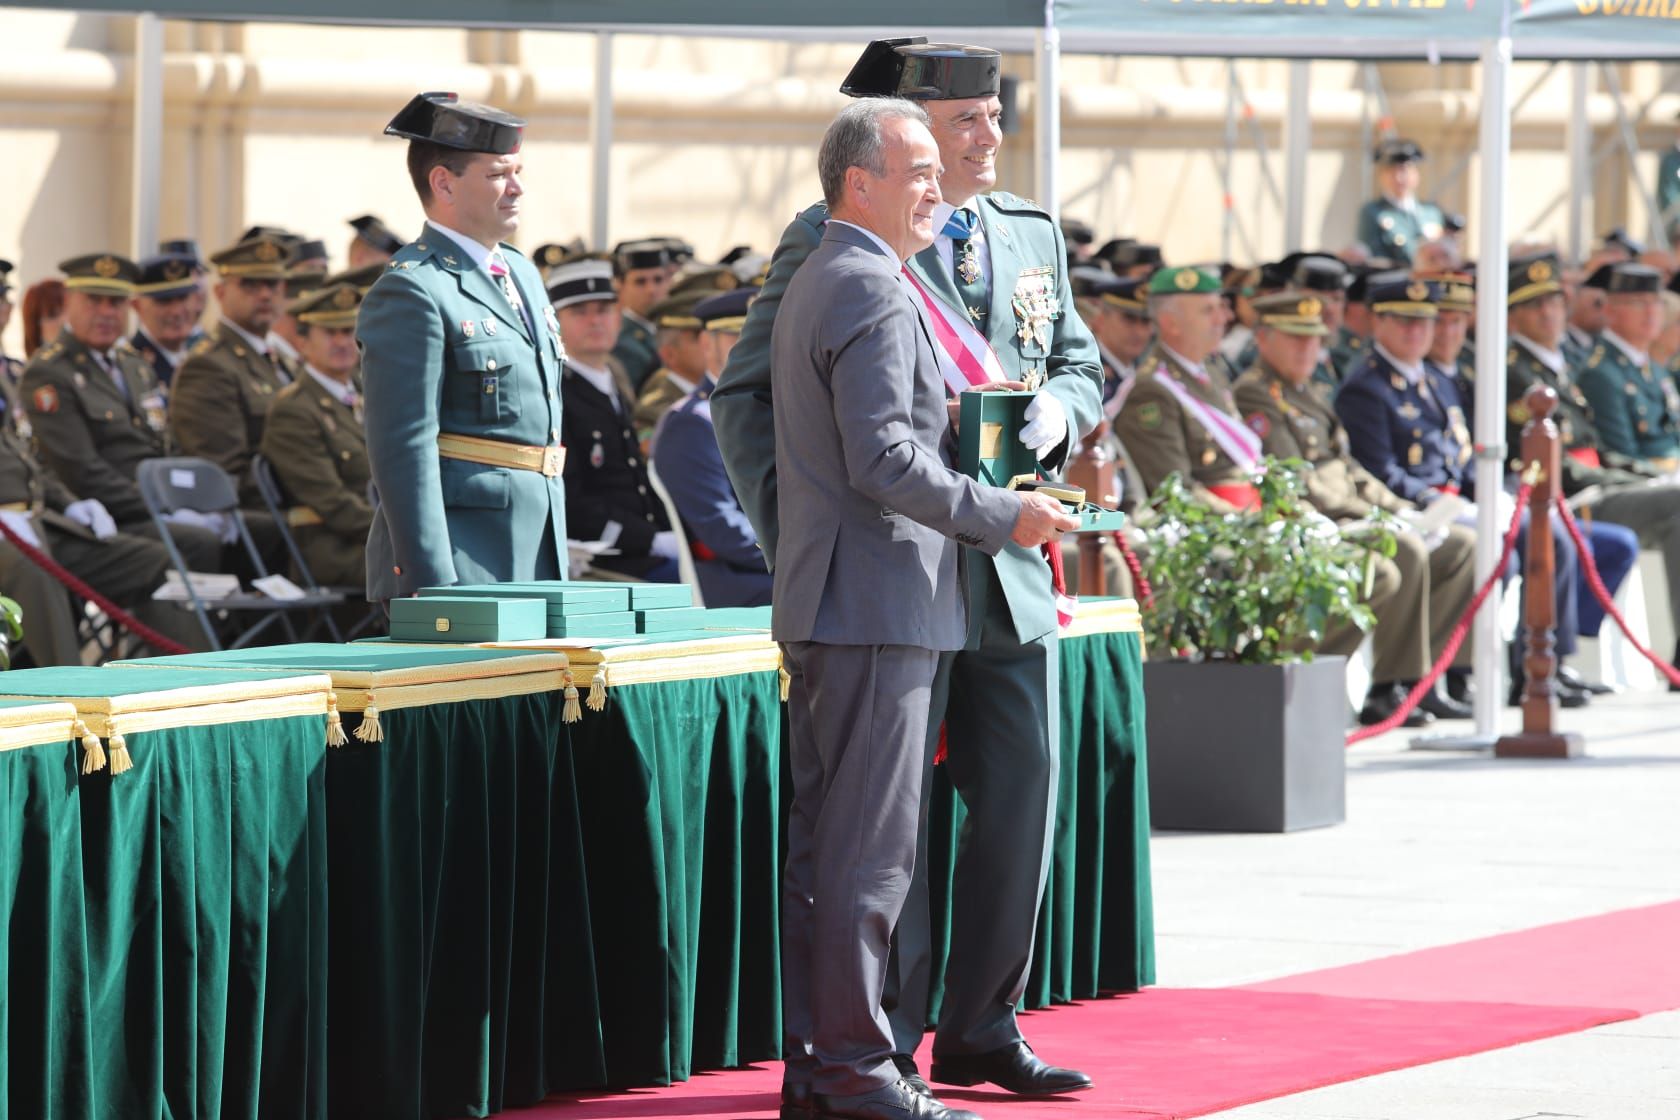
[1602, 593]
[68, 579]
[1460, 632]
[1145, 593]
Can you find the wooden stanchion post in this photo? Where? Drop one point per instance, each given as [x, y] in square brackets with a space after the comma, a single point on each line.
[1540, 737]
[1093, 471]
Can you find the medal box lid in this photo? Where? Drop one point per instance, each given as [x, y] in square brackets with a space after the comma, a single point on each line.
[568, 597]
[987, 444]
[665, 620]
[616, 624]
[467, 618]
[649, 596]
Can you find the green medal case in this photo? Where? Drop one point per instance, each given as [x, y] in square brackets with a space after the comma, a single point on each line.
[667, 620]
[468, 618]
[989, 451]
[563, 597]
[652, 596]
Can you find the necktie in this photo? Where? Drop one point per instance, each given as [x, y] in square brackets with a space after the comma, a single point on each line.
[499, 269]
[965, 265]
[113, 371]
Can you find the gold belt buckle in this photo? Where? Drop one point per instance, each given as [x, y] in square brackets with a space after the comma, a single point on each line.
[553, 461]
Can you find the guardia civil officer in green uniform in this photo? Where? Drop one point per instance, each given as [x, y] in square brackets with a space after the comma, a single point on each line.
[1635, 405]
[1000, 261]
[643, 271]
[461, 368]
[1395, 223]
[316, 443]
[11, 369]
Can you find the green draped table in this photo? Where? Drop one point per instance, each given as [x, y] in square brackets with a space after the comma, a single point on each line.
[165, 887]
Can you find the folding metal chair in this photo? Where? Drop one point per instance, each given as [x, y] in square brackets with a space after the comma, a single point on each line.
[274, 498]
[170, 485]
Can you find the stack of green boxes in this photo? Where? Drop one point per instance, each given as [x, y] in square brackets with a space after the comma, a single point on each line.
[565, 608]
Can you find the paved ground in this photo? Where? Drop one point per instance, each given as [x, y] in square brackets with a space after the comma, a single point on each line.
[1442, 847]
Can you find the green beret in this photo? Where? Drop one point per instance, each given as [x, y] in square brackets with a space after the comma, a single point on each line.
[1189, 280]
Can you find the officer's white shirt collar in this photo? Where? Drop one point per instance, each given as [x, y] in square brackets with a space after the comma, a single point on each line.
[885, 248]
[1637, 357]
[470, 246]
[1406, 204]
[1196, 369]
[176, 357]
[1413, 374]
[342, 391]
[601, 379]
[644, 323]
[681, 382]
[278, 344]
[1109, 357]
[260, 345]
[1551, 359]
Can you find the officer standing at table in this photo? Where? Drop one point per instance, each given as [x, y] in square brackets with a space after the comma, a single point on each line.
[1000, 262]
[461, 371]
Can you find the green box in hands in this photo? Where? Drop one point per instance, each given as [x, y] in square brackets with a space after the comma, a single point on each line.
[468, 618]
[988, 450]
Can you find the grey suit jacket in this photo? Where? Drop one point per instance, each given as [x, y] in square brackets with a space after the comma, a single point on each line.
[869, 505]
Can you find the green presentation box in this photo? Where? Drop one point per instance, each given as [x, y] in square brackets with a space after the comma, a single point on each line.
[567, 597]
[736, 618]
[617, 624]
[988, 450]
[664, 620]
[468, 618]
[652, 596]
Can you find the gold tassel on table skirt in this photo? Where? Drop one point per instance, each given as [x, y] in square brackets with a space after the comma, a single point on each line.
[371, 731]
[94, 759]
[570, 712]
[335, 723]
[598, 690]
[121, 762]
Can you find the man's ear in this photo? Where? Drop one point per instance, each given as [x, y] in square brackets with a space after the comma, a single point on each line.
[441, 182]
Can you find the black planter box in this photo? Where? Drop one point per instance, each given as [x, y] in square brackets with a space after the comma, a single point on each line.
[1247, 748]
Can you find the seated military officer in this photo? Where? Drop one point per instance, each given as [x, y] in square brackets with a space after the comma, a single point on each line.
[1327, 278]
[608, 496]
[1617, 489]
[644, 272]
[1293, 417]
[187, 249]
[1635, 406]
[727, 560]
[1179, 415]
[81, 535]
[1395, 223]
[373, 242]
[315, 440]
[306, 271]
[1113, 307]
[223, 390]
[1348, 345]
[164, 299]
[682, 363]
[1446, 353]
[1586, 313]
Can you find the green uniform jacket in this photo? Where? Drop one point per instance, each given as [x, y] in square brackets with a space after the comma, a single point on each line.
[659, 394]
[1637, 411]
[1020, 238]
[1163, 438]
[1346, 352]
[1394, 232]
[219, 401]
[635, 350]
[1577, 427]
[1668, 187]
[1298, 422]
[444, 352]
[90, 432]
[319, 452]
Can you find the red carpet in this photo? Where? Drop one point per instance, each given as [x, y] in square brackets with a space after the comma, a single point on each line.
[1183, 1052]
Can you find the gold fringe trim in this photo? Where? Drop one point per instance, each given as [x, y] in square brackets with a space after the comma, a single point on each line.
[598, 690]
[36, 725]
[371, 730]
[335, 723]
[121, 763]
[787, 682]
[94, 760]
[570, 712]
[262, 685]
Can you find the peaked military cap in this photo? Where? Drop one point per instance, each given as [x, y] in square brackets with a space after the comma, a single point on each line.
[1112, 246]
[1362, 274]
[1076, 232]
[681, 251]
[1401, 293]
[287, 239]
[924, 71]
[580, 281]
[1397, 151]
[332, 306]
[1122, 292]
[1186, 281]
[1457, 290]
[183, 247]
[1274, 276]
[550, 255]
[100, 274]
[653, 252]
[725, 312]
[1631, 278]
[1620, 238]
[362, 278]
[1317, 272]
[306, 268]
[166, 276]
[676, 312]
[706, 279]
[5, 276]
[1297, 313]
[1533, 277]
[444, 119]
[1134, 253]
[373, 231]
[308, 252]
[1599, 279]
[260, 258]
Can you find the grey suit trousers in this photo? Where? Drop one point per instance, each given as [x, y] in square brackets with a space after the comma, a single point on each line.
[857, 718]
[1654, 513]
[1000, 705]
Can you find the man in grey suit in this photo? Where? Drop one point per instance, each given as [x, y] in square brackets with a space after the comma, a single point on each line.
[867, 594]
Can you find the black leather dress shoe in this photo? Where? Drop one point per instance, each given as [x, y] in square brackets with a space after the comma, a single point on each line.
[897, 1101]
[1460, 685]
[1569, 677]
[1566, 697]
[1383, 700]
[1442, 706]
[796, 1100]
[910, 1075]
[1015, 1067]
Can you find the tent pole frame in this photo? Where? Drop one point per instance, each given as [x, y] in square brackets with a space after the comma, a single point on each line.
[1047, 110]
[146, 187]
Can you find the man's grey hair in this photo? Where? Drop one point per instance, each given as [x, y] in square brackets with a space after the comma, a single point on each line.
[854, 140]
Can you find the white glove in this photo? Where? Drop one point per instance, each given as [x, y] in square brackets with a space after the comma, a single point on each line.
[92, 513]
[223, 526]
[188, 517]
[19, 523]
[664, 544]
[1047, 425]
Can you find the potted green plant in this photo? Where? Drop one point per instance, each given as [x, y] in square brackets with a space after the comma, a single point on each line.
[11, 629]
[1245, 725]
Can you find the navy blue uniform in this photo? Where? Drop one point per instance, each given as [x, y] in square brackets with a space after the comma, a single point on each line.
[1415, 438]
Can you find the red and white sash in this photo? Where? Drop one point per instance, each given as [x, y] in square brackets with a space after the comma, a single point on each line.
[1232, 435]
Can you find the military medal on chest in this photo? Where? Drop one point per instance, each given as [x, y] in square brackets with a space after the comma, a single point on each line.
[1035, 306]
[968, 263]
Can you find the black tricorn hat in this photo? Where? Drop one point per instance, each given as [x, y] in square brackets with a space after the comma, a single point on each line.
[1630, 277]
[444, 119]
[923, 71]
[376, 233]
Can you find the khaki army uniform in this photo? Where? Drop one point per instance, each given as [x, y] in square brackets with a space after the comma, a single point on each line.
[92, 432]
[220, 402]
[318, 449]
[1428, 589]
[1161, 437]
[659, 394]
